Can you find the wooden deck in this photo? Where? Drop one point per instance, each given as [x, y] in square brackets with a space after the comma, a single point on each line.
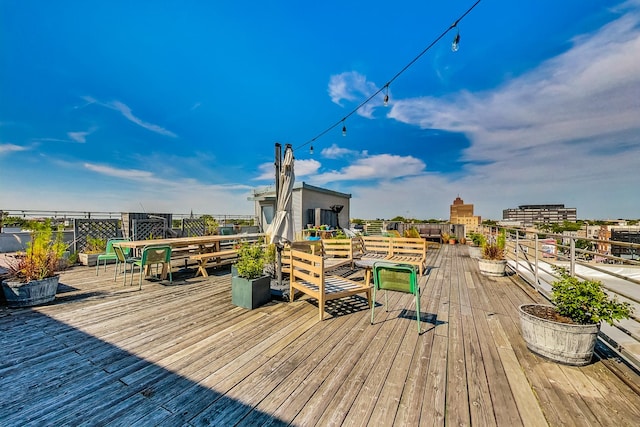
[104, 354]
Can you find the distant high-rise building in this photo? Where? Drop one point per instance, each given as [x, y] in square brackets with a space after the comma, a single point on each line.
[461, 213]
[529, 215]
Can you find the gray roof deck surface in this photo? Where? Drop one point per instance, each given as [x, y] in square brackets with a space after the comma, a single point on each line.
[107, 354]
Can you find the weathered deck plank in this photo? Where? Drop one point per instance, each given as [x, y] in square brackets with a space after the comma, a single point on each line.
[104, 353]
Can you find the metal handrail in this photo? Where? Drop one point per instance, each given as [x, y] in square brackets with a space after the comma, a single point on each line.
[536, 270]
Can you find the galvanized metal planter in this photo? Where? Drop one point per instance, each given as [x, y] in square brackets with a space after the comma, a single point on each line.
[36, 292]
[566, 343]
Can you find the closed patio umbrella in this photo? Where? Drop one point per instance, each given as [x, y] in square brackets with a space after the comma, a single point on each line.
[281, 228]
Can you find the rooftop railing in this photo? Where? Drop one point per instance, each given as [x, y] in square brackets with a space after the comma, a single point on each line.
[532, 254]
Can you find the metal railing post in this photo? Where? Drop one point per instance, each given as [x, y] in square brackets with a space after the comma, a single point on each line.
[517, 251]
[537, 276]
[572, 255]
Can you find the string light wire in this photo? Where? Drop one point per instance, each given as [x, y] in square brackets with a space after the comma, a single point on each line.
[386, 85]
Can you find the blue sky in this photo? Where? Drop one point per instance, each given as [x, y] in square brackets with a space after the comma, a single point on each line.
[175, 106]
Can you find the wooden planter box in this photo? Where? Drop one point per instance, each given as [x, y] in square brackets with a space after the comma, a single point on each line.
[250, 294]
[91, 259]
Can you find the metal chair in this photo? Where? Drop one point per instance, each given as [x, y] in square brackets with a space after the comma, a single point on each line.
[123, 257]
[110, 253]
[397, 278]
[154, 255]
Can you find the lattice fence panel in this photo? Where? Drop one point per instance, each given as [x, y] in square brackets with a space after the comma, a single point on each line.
[193, 227]
[145, 229]
[104, 229]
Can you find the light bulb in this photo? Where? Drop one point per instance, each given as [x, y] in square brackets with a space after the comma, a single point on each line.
[386, 100]
[344, 130]
[455, 45]
[311, 150]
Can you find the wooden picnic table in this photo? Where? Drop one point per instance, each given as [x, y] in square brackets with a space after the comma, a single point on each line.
[206, 247]
[202, 242]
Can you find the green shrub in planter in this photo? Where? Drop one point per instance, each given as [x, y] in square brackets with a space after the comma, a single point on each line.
[251, 261]
[584, 301]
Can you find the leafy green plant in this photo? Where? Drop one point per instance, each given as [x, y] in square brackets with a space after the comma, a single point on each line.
[251, 260]
[95, 245]
[478, 239]
[495, 250]
[42, 257]
[584, 301]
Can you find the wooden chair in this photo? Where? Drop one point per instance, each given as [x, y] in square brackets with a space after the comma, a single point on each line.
[308, 276]
[396, 278]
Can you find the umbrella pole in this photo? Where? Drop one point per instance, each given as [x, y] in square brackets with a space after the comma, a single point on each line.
[279, 264]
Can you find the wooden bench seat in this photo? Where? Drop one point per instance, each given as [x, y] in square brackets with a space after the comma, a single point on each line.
[308, 276]
[217, 258]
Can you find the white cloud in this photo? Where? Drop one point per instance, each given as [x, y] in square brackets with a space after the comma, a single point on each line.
[306, 167]
[132, 174]
[80, 136]
[128, 114]
[11, 148]
[378, 167]
[353, 87]
[335, 152]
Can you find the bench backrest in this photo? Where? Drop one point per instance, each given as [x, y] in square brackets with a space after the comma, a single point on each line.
[376, 244]
[306, 267]
[337, 248]
[309, 246]
[409, 246]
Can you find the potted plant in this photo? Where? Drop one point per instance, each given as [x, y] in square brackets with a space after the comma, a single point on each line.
[477, 242]
[251, 287]
[492, 261]
[32, 278]
[567, 331]
[94, 247]
[453, 239]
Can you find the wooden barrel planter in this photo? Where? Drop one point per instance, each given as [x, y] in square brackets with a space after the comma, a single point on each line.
[36, 292]
[570, 344]
[492, 267]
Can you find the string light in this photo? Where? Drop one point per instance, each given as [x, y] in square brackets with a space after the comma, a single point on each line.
[386, 95]
[456, 42]
[311, 150]
[455, 45]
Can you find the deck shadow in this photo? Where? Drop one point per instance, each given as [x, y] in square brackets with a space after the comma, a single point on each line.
[99, 384]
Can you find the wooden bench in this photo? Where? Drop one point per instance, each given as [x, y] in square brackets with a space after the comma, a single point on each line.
[337, 252]
[217, 258]
[309, 277]
[409, 250]
[371, 247]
